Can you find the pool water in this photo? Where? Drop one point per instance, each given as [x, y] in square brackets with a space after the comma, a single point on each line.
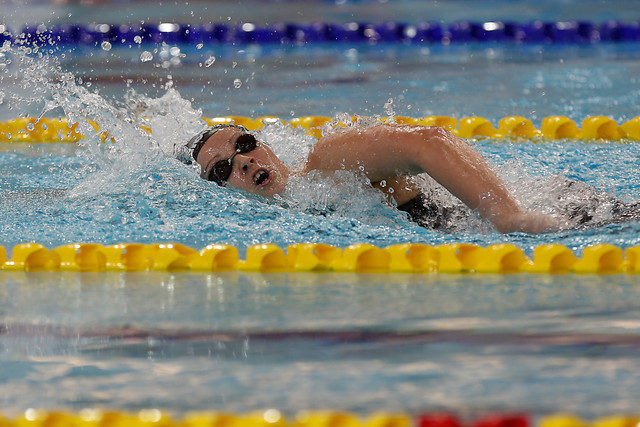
[245, 341]
[363, 343]
[54, 196]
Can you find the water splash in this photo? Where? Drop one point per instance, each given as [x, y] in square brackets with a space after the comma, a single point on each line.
[291, 145]
[131, 188]
[342, 194]
[388, 108]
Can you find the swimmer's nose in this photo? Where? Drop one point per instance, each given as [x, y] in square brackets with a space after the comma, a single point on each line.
[244, 161]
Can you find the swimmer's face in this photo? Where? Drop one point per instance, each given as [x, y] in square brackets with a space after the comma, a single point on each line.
[259, 171]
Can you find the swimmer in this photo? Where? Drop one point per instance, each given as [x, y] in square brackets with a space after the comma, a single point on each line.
[388, 155]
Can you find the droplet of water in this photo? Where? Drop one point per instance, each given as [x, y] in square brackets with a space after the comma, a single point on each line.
[137, 39]
[388, 107]
[210, 60]
[199, 46]
[237, 83]
[30, 127]
[106, 46]
[146, 56]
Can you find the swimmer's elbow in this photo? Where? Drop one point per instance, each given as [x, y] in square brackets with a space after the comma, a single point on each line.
[526, 222]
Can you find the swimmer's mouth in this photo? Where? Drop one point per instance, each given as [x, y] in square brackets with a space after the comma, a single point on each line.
[261, 178]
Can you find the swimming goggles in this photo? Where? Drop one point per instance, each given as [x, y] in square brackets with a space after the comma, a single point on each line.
[222, 169]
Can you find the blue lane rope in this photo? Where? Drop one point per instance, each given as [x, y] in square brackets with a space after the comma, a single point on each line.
[536, 32]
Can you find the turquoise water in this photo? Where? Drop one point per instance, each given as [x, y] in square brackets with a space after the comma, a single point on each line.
[239, 342]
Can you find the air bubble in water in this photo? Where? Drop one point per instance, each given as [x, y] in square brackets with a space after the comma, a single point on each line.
[146, 56]
[199, 46]
[137, 39]
[106, 46]
[30, 127]
[209, 62]
[237, 83]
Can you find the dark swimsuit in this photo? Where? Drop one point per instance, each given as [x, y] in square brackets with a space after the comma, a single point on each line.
[582, 214]
[430, 214]
[427, 213]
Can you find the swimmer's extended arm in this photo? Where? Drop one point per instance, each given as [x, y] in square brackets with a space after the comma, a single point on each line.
[389, 151]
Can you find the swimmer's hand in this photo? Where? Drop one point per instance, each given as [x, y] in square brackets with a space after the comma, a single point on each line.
[528, 222]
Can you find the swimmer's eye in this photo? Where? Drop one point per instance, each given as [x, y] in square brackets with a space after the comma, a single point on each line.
[221, 170]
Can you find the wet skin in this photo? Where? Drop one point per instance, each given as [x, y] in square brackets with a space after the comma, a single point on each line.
[259, 171]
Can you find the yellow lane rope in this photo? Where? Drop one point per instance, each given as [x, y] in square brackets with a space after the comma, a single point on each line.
[318, 257]
[602, 128]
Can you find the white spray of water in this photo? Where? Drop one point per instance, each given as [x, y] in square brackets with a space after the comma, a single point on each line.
[39, 84]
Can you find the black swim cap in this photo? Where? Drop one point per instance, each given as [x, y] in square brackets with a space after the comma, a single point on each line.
[188, 153]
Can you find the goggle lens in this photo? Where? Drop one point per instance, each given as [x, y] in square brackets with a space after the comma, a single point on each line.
[221, 171]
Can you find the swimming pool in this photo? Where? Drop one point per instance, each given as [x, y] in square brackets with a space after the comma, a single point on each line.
[239, 341]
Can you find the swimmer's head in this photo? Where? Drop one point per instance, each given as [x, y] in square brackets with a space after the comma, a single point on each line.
[230, 155]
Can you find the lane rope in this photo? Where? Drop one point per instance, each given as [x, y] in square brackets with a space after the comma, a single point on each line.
[274, 418]
[293, 33]
[595, 128]
[318, 257]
